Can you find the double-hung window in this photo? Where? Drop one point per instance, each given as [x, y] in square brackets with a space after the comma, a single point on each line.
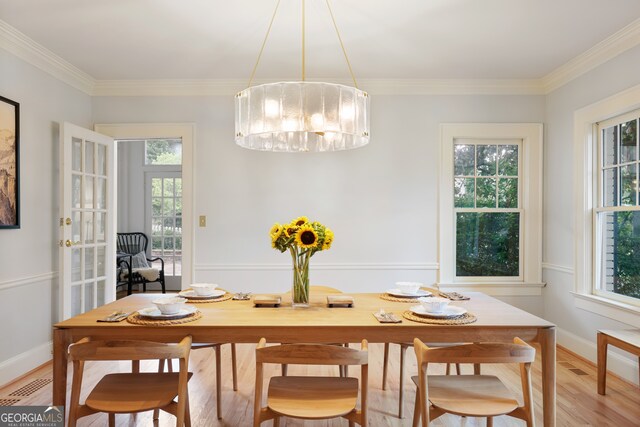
[490, 207]
[616, 214]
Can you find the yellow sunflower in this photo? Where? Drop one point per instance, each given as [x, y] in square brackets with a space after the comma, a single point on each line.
[276, 231]
[306, 237]
[328, 239]
[301, 220]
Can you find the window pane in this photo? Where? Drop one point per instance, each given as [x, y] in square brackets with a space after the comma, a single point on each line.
[167, 207]
[156, 187]
[620, 257]
[156, 206]
[486, 156]
[88, 157]
[168, 187]
[178, 189]
[487, 244]
[628, 185]
[179, 207]
[163, 152]
[463, 192]
[486, 193]
[508, 193]
[508, 160]
[628, 143]
[609, 146]
[463, 159]
[610, 187]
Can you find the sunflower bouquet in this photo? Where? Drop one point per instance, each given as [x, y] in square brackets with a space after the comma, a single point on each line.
[302, 239]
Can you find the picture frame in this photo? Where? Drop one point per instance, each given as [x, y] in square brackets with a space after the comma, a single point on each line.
[9, 163]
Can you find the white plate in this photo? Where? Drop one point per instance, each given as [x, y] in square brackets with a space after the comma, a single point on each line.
[190, 293]
[449, 311]
[399, 293]
[154, 312]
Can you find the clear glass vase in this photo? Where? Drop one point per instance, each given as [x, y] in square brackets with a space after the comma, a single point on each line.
[300, 288]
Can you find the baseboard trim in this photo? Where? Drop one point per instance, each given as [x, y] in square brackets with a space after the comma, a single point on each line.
[23, 363]
[24, 281]
[624, 368]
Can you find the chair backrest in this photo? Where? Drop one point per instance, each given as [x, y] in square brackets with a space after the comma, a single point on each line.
[311, 354]
[518, 352]
[128, 350]
[132, 243]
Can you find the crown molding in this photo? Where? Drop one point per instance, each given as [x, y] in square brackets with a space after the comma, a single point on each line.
[625, 39]
[37, 55]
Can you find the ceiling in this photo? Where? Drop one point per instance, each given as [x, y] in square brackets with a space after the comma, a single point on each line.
[385, 39]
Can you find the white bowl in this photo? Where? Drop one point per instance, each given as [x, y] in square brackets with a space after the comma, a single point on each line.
[170, 305]
[409, 288]
[434, 304]
[203, 289]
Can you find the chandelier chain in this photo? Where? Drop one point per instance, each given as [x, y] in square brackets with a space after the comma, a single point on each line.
[264, 42]
[333, 19]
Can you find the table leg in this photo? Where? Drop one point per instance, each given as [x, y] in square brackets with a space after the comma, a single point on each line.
[547, 339]
[602, 363]
[61, 342]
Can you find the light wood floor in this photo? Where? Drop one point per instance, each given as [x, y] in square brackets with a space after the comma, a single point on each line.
[578, 402]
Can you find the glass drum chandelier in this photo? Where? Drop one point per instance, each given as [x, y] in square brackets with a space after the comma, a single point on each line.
[302, 116]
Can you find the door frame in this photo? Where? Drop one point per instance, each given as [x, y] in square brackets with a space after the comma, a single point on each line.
[186, 131]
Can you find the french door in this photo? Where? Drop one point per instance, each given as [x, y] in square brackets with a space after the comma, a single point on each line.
[87, 220]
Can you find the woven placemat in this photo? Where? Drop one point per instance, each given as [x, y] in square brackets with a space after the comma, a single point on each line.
[460, 320]
[136, 319]
[224, 297]
[393, 298]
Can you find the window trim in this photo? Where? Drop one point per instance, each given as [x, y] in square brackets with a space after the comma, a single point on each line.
[585, 145]
[531, 135]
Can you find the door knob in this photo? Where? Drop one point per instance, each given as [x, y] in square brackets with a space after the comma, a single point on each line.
[69, 243]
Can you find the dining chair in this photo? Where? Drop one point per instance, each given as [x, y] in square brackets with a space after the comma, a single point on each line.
[218, 356]
[403, 353]
[472, 395]
[325, 290]
[311, 397]
[131, 392]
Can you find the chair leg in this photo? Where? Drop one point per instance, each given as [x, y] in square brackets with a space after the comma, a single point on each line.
[216, 350]
[384, 366]
[416, 409]
[457, 369]
[187, 412]
[276, 422]
[112, 419]
[164, 291]
[476, 369]
[285, 368]
[489, 421]
[448, 371]
[234, 369]
[403, 354]
[144, 286]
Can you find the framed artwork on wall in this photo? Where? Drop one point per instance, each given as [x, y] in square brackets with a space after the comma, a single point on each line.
[9, 163]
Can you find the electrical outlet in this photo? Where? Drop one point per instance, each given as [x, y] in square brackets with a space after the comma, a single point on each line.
[203, 220]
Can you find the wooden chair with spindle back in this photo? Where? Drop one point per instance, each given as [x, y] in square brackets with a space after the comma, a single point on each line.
[131, 392]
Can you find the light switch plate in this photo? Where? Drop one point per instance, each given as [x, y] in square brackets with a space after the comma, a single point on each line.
[203, 220]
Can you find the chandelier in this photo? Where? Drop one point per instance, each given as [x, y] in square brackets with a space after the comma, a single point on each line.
[302, 116]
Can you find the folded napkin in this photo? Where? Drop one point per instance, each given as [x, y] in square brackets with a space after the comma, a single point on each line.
[387, 317]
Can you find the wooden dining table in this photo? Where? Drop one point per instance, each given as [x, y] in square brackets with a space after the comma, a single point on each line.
[233, 321]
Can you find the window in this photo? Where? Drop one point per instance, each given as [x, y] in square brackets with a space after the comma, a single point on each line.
[163, 151]
[491, 207]
[486, 208]
[606, 203]
[617, 211]
[166, 220]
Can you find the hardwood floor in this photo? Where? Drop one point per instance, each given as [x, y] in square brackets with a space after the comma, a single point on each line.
[578, 402]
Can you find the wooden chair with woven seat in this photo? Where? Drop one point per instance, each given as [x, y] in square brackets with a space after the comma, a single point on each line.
[472, 395]
[311, 397]
[403, 353]
[218, 356]
[131, 392]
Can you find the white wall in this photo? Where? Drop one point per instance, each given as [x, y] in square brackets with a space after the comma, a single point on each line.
[29, 255]
[379, 200]
[578, 327]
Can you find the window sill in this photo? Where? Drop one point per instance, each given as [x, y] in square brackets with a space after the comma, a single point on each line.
[496, 289]
[615, 310]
